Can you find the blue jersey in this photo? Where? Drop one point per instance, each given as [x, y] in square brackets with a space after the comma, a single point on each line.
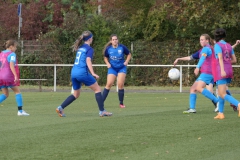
[80, 67]
[116, 55]
[11, 57]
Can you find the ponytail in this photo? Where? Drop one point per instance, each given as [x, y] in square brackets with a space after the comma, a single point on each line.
[86, 35]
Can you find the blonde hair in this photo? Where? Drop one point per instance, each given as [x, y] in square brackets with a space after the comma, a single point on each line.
[78, 42]
[9, 43]
[211, 42]
[109, 43]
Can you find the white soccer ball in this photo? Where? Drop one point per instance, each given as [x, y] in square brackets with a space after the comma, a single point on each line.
[174, 74]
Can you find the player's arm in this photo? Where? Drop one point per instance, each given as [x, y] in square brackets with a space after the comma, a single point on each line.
[218, 50]
[89, 62]
[106, 58]
[188, 58]
[233, 57]
[237, 43]
[129, 55]
[12, 60]
[127, 59]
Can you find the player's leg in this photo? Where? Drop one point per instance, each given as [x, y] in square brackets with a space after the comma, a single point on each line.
[4, 94]
[76, 93]
[120, 83]
[192, 99]
[221, 93]
[19, 100]
[112, 74]
[229, 93]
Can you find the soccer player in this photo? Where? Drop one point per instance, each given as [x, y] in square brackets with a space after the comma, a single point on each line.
[205, 77]
[196, 56]
[9, 75]
[114, 53]
[82, 72]
[222, 70]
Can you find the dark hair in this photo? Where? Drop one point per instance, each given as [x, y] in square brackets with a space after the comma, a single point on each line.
[77, 43]
[219, 34]
[109, 43]
[9, 43]
[208, 38]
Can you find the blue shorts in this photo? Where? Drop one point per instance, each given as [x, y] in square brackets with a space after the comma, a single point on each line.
[88, 80]
[207, 78]
[115, 71]
[224, 81]
[6, 87]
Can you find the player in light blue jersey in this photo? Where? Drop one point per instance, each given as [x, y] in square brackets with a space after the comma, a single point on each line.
[114, 56]
[82, 72]
[9, 75]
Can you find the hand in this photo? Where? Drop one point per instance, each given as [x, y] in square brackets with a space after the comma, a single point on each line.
[108, 65]
[125, 63]
[175, 62]
[196, 71]
[238, 42]
[16, 79]
[223, 74]
[95, 75]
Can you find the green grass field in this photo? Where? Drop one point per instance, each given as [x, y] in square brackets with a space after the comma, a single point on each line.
[151, 127]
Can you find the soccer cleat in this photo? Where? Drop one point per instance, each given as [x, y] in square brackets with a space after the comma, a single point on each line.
[219, 116]
[216, 108]
[22, 113]
[59, 111]
[233, 107]
[104, 113]
[122, 106]
[190, 111]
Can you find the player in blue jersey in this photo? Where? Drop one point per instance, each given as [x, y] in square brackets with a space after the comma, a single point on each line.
[9, 75]
[82, 72]
[114, 56]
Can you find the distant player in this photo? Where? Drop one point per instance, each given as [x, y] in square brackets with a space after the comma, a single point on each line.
[9, 75]
[82, 72]
[222, 70]
[114, 54]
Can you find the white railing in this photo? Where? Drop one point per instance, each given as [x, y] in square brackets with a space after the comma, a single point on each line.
[101, 65]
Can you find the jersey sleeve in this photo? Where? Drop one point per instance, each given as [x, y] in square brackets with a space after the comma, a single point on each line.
[90, 53]
[195, 55]
[12, 58]
[125, 50]
[106, 52]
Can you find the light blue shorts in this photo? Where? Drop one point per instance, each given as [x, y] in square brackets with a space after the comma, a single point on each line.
[115, 71]
[207, 78]
[224, 81]
[88, 80]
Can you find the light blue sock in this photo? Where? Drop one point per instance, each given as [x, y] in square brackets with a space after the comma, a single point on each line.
[231, 100]
[19, 99]
[192, 100]
[209, 95]
[2, 98]
[221, 105]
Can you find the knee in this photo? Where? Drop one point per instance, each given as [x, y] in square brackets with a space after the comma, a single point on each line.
[6, 94]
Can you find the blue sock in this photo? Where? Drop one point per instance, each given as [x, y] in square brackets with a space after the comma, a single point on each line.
[99, 99]
[68, 101]
[121, 95]
[2, 98]
[209, 95]
[221, 105]
[105, 94]
[231, 100]
[228, 92]
[19, 101]
[192, 100]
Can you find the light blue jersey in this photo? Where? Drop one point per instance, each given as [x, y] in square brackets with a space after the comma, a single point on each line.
[116, 55]
[11, 57]
[218, 49]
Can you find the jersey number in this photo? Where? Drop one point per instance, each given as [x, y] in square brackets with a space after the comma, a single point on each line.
[78, 57]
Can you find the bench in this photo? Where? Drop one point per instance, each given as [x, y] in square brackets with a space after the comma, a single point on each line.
[39, 82]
